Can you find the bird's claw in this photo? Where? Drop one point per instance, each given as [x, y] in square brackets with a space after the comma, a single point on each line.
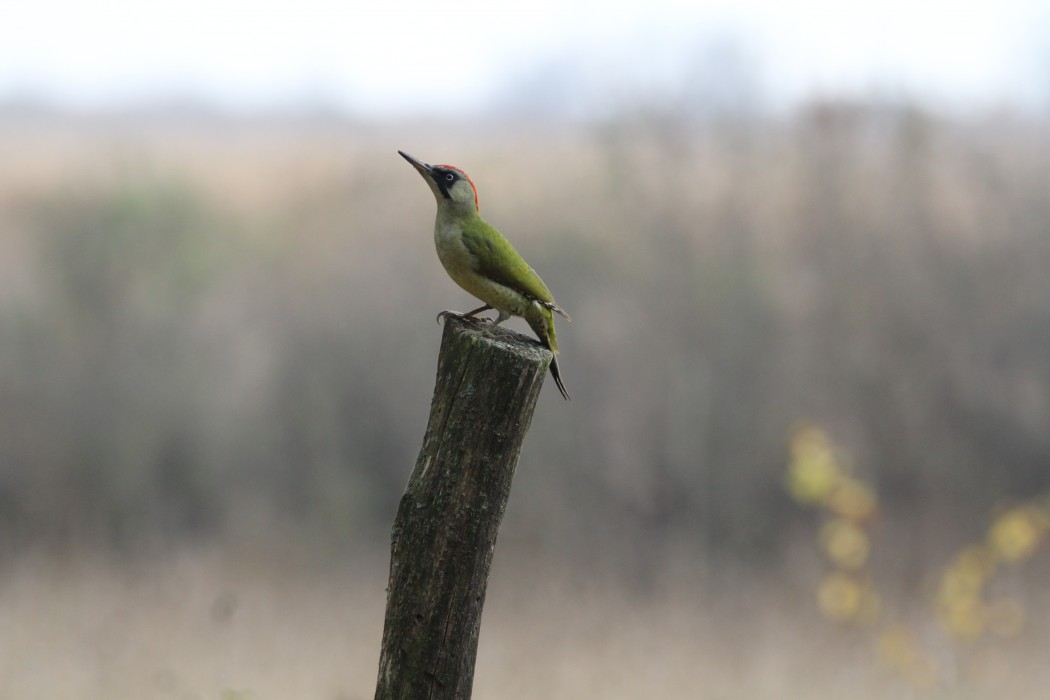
[456, 314]
[468, 316]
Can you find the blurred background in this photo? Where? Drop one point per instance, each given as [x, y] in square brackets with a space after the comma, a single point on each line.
[806, 251]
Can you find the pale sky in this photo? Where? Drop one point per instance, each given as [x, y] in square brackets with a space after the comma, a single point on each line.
[399, 57]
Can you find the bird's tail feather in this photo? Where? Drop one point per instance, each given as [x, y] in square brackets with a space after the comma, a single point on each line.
[557, 309]
[542, 323]
[556, 373]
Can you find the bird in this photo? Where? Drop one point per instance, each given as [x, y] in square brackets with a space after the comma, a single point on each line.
[483, 262]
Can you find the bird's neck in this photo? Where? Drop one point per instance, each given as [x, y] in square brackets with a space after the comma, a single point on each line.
[452, 213]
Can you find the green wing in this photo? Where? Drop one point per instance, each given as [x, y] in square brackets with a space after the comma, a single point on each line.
[494, 257]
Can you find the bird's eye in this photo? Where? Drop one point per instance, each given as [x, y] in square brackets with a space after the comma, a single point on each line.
[450, 177]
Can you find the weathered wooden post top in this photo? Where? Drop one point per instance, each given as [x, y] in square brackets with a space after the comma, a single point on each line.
[444, 534]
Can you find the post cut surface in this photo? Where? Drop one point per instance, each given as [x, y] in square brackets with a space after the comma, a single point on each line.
[444, 533]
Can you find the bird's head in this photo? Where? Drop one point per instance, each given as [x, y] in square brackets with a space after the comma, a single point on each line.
[450, 185]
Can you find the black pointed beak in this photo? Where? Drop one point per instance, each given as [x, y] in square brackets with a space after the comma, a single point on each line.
[423, 168]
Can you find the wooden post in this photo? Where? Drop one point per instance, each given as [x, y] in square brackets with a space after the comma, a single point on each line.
[444, 534]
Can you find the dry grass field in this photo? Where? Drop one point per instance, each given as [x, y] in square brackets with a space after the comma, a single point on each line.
[204, 625]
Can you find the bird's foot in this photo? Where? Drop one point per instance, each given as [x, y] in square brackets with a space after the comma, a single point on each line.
[461, 316]
[471, 315]
[446, 313]
[491, 324]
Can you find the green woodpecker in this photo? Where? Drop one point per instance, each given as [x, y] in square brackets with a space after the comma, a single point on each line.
[479, 259]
